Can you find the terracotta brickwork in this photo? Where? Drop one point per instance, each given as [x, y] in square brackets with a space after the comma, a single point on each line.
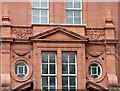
[93, 41]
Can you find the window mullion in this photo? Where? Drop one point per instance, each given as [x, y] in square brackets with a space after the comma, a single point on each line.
[24, 70]
[68, 83]
[97, 70]
[68, 72]
[17, 70]
[48, 82]
[68, 65]
[73, 15]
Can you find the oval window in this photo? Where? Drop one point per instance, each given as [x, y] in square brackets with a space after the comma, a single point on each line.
[95, 70]
[21, 69]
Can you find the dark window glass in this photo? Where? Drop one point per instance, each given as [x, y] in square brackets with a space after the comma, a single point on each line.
[94, 70]
[72, 68]
[21, 69]
[44, 68]
[44, 58]
[44, 81]
[52, 68]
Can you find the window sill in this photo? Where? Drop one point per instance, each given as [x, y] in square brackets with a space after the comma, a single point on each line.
[83, 25]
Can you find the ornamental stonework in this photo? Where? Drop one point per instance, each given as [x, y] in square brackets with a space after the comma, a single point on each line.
[21, 33]
[95, 34]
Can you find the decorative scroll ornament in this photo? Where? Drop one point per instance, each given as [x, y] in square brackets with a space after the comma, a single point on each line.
[21, 33]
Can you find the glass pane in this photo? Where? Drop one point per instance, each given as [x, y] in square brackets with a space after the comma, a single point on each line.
[36, 19]
[77, 20]
[21, 75]
[20, 69]
[44, 81]
[44, 88]
[72, 89]
[64, 58]
[52, 89]
[77, 13]
[94, 70]
[64, 81]
[44, 3]
[52, 57]
[77, 4]
[52, 68]
[69, 4]
[69, 13]
[94, 76]
[25, 69]
[44, 69]
[94, 65]
[99, 71]
[72, 57]
[89, 70]
[44, 20]
[64, 88]
[36, 12]
[44, 58]
[52, 81]
[20, 64]
[72, 69]
[69, 20]
[44, 13]
[72, 81]
[35, 3]
[77, 17]
[15, 69]
[64, 68]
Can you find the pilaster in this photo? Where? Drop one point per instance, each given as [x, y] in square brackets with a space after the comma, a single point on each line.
[110, 49]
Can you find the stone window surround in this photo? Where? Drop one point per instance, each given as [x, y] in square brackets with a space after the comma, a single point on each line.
[96, 68]
[22, 67]
[29, 66]
[70, 75]
[41, 8]
[73, 9]
[101, 63]
[49, 75]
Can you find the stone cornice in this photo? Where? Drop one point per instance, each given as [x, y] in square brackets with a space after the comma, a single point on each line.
[102, 41]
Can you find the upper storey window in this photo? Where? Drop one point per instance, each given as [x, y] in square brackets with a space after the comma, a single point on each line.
[40, 11]
[73, 12]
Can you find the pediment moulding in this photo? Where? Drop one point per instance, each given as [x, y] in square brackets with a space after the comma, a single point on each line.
[58, 34]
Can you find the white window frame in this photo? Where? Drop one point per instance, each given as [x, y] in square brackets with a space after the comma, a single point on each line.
[41, 8]
[71, 75]
[75, 9]
[50, 75]
[23, 67]
[96, 68]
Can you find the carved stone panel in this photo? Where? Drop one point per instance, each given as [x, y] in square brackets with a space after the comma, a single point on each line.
[21, 33]
[95, 34]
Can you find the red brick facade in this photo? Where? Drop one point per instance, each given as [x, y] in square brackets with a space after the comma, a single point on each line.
[93, 41]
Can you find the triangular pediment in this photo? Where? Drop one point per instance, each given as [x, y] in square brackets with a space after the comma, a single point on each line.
[59, 34]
